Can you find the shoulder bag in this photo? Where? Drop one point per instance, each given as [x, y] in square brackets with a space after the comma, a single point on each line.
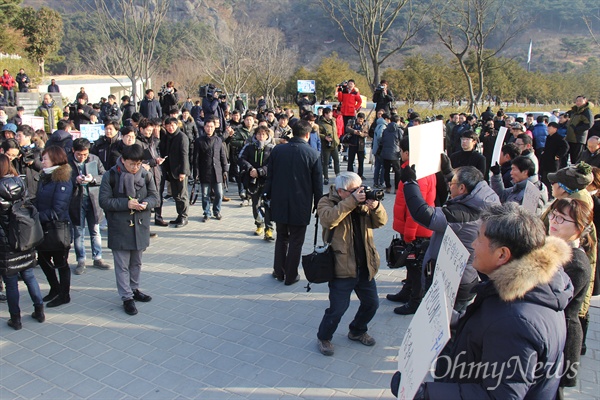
[319, 265]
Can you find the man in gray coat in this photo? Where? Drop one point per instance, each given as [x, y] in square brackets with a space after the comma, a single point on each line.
[127, 194]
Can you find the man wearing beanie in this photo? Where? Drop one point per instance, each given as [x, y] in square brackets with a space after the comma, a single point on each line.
[571, 182]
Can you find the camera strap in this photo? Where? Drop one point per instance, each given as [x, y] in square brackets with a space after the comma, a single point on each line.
[329, 237]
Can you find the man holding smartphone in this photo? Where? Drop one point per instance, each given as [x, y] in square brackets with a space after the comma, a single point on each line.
[127, 194]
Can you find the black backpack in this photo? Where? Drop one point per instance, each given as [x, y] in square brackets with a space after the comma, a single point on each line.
[24, 229]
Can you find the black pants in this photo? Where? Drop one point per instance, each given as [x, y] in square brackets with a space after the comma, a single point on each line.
[288, 250]
[50, 262]
[575, 150]
[161, 190]
[352, 153]
[394, 165]
[179, 190]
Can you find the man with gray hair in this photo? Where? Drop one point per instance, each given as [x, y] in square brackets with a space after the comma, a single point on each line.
[591, 155]
[353, 217]
[516, 323]
[469, 195]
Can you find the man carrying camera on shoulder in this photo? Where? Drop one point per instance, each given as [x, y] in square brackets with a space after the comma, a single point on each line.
[349, 96]
[353, 214]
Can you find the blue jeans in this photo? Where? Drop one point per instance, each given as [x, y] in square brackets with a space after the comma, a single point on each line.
[87, 214]
[218, 188]
[340, 291]
[12, 290]
[378, 174]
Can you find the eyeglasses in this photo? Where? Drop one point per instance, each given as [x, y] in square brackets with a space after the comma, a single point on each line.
[559, 219]
[350, 190]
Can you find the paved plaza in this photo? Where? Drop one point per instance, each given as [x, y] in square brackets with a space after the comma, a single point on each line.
[219, 327]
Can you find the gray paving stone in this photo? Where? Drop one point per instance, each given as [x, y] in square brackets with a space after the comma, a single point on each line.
[219, 327]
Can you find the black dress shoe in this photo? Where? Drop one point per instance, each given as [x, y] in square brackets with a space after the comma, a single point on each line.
[181, 223]
[407, 309]
[139, 296]
[160, 222]
[129, 307]
[218, 216]
[295, 280]
[175, 221]
[205, 218]
[403, 296]
[279, 278]
[59, 301]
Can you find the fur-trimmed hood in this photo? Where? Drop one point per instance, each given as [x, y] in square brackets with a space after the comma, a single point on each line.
[61, 174]
[535, 272]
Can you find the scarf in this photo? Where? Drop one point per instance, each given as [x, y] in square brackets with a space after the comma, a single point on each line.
[129, 183]
[49, 170]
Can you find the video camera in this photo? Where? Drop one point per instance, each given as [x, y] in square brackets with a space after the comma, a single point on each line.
[208, 91]
[401, 254]
[343, 87]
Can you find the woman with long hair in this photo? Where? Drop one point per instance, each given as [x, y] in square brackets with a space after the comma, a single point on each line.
[53, 198]
[12, 189]
[572, 221]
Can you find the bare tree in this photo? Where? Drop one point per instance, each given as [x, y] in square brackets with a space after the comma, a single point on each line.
[472, 26]
[368, 26]
[129, 29]
[274, 64]
[589, 20]
[228, 60]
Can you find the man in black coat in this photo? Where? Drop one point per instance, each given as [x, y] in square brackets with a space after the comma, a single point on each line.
[175, 148]
[383, 97]
[210, 168]
[106, 146]
[468, 155]
[555, 149]
[30, 162]
[294, 186]
[127, 109]
[82, 112]
[86, 175]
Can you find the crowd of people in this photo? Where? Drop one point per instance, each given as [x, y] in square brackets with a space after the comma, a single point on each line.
[536, 269]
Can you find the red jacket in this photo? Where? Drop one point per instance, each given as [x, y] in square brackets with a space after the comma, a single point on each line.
[403, 222]
[339, 121]
[7, 82]
[351, 102]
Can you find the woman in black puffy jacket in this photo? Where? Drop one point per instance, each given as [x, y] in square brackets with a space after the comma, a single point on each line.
[12, 189]
[52, 201]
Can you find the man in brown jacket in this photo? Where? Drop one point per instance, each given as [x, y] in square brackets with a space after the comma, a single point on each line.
[347, 210]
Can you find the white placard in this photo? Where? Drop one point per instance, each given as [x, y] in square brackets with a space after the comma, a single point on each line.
[91, 132]
[498, 145]
[34, 122]
[531, 198]
[429, 330]
[305, 86]
[426, 143]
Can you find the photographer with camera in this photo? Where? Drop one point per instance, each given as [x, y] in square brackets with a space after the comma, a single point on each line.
[168, 97]
[253, 173]
[383, 97]
[412, 233]
[353, 216]
[110, 110]
[329, 143]
[81, 112]
[304, 104]
[349, 96]
[358, 130]
[211, 105]
[30, 162]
